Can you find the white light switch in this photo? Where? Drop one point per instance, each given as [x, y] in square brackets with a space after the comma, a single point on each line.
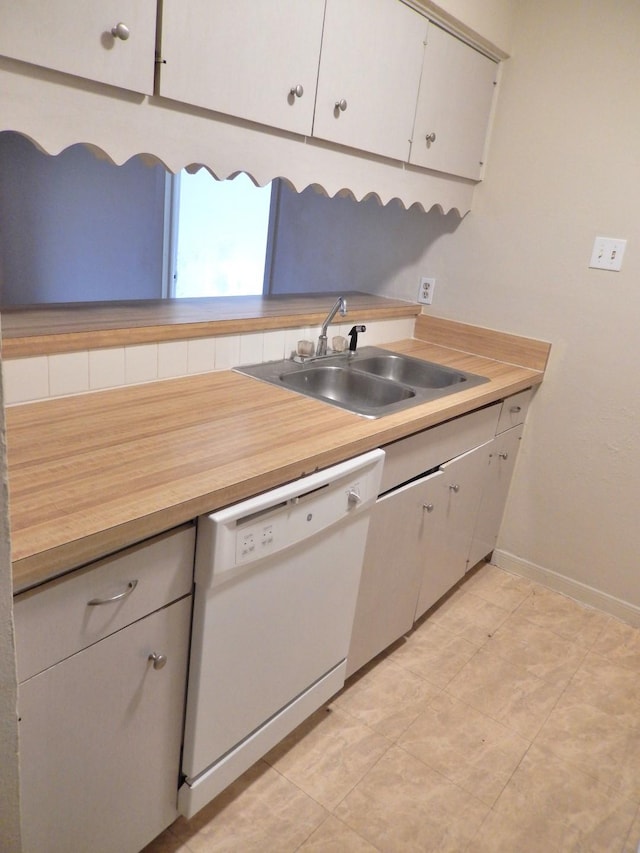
[607, 253]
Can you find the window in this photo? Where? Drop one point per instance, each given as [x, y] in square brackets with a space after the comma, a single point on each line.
[219, 235]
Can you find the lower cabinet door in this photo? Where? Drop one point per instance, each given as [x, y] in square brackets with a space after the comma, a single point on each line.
[100, 738]
[391, 571]
[501, 461]
[454, 498]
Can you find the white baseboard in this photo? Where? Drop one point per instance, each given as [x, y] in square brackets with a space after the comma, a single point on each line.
[581, 592]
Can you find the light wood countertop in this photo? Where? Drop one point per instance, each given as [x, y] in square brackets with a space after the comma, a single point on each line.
[70, 327]
[96, 472]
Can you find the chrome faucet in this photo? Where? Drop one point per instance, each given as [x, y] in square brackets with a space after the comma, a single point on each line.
[341, 305]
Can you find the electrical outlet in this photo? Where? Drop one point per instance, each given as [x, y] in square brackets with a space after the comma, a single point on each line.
[425, 291]
[607, 253]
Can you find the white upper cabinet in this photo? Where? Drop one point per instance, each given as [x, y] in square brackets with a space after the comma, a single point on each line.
[454, 106]
[111, 41]
[369, 75]
[254, 59]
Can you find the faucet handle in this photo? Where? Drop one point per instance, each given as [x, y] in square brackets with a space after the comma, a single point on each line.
[353, 335]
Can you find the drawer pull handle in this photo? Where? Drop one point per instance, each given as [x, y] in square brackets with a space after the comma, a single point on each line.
[130, 587]
[515, 409]
[158, 660]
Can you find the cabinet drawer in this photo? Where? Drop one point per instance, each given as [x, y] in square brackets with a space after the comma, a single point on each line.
[412, 456]
[56, 619]
[514, 410]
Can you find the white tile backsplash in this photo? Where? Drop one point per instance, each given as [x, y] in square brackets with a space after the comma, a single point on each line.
[40, 377]
[140, 363]
[251, 348]
[227, 352]
[274, 345]
[25, 379]
[106, 368]
[172, 359]
[68, 373]
[201, 355]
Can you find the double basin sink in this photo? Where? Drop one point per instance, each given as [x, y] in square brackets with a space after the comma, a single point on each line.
[371, 382]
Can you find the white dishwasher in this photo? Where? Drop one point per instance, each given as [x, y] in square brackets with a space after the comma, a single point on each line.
[276, 585]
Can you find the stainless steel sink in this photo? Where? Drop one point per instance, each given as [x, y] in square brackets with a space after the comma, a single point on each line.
[360, 391]
[373, 382]
[412, 371]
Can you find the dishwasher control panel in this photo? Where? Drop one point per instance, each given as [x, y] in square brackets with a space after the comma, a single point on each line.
[299, 518]
[267, 524]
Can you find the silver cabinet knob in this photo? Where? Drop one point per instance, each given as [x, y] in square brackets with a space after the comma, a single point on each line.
[341, 105]
[428, 507]
[159, 661]
[515, 409]
[297, 91]
[503, 455]
[120, 31]
[454, 487]
[430, 137]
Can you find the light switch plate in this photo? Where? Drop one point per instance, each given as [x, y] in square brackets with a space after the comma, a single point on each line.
[607, 253]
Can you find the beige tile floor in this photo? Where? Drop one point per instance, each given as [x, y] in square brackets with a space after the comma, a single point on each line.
[508, 720]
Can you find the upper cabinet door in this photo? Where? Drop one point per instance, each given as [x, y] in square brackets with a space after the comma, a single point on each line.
[254, 59]
[454, 106]
[111, 41]
[369, 75]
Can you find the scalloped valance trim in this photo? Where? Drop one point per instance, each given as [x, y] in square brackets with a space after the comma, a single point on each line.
[54, 114]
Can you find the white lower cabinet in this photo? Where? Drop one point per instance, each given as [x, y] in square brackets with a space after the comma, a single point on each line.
[449, 519]
[391, 572]
[101, 729]
[420, 530]
[501, 460]
[434, 520]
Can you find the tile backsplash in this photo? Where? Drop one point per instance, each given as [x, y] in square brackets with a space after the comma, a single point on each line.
[43, 377]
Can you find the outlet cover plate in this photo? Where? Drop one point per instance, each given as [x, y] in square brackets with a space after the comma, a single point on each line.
[425, 291]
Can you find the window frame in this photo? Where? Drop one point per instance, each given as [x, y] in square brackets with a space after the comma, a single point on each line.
[170, 236]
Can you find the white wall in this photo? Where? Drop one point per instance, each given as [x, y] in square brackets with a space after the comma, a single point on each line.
[75, 228]
[565, 167]
[491, 18]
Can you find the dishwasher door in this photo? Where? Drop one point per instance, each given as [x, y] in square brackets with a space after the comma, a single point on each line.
[277, 580]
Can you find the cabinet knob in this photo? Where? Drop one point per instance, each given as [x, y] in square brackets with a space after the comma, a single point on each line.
[454, 487]
[341, 105]
[428, 507]
[430, 137]
[297, 91]
[120, 31]
[158, 660]
[515, 409]
[503, 455]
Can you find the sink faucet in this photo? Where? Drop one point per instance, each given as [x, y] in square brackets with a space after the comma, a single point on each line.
[341, 305]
